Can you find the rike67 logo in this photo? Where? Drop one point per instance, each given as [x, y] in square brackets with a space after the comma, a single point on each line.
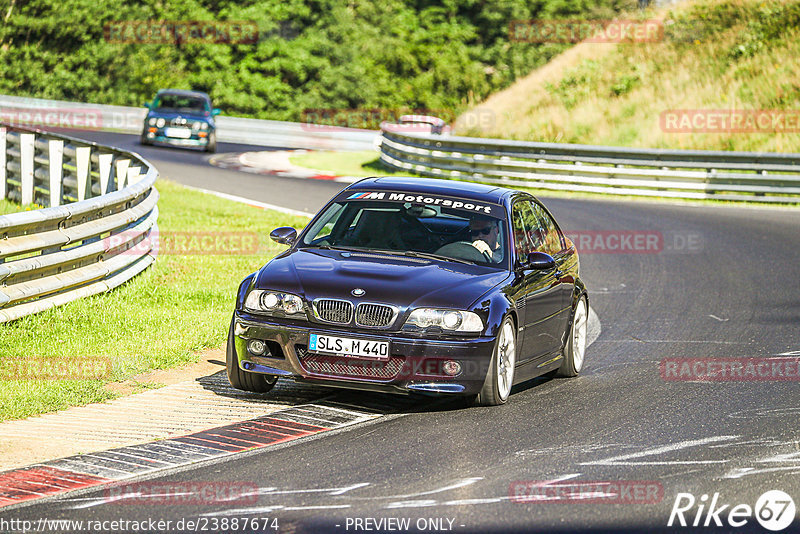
[774, 510]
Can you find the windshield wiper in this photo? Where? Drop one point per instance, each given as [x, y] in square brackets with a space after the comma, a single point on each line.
[334, 247]
[407, 253]
[431, 256]
[425, 255]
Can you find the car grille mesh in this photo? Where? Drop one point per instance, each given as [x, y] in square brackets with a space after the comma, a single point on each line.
[349, 367]
[334, 311]
[374, 315]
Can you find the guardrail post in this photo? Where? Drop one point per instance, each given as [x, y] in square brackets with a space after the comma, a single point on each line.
[3, 183]
[104, 162]
[133, 174]
[26, 151]
[122, 172]
[56, 162]
[83, 155]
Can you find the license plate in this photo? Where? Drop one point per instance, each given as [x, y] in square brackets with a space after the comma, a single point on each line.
[180, 133]
[345, 346]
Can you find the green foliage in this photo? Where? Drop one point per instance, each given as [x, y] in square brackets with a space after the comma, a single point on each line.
[577, 84]
[310, 54]
[624, 84]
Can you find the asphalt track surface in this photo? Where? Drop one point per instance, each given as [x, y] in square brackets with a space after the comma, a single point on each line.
[732, 293]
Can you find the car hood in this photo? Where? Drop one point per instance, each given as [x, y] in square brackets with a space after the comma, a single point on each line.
[402, 281]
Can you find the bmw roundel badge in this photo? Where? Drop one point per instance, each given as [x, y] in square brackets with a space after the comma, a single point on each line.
[358, 292]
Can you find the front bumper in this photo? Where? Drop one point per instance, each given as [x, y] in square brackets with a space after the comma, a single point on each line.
[178, 141]
[415, 364]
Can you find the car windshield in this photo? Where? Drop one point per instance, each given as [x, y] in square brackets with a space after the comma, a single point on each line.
[413, 229]
[181, 103]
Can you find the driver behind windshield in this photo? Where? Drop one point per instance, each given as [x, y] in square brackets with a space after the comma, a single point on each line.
[483, 233]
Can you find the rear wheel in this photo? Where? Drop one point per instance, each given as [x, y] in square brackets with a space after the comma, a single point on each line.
[255, 382]
[575, 349]
[500, 377]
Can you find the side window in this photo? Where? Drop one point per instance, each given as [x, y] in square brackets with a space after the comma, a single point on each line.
[521, 215]
[551, 237]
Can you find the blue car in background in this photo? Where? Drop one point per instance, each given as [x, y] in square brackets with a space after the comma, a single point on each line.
[181, 118]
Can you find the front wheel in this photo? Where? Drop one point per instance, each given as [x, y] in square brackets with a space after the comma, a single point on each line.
[575, 349]
[211, 146]
[500, 377]
[254, 382]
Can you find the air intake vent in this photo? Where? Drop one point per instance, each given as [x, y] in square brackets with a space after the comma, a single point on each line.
[343, 367]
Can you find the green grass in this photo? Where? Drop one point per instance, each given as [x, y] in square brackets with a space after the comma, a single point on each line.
[7, 207]
[160, 319]
[360, 164]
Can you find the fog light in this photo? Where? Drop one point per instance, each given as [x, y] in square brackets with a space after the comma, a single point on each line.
[451, 368]
[256, 347]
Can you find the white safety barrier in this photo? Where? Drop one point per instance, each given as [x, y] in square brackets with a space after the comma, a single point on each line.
[95, 231]
[693, 174]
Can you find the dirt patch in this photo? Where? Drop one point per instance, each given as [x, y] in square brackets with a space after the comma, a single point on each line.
[210, 362]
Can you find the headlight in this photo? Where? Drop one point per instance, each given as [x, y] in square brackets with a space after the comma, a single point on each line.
[196, 125]
[151, 121]
[452, 320]
[273, 301]
[204, 126]
[161, 122]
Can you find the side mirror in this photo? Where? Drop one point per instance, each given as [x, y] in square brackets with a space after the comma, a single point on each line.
[285, 235]
[146, 105]
[540, 261]
[215, 112]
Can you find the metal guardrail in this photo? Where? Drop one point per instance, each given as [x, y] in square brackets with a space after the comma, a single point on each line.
[95, 232]
[692, 174]
[50, 113]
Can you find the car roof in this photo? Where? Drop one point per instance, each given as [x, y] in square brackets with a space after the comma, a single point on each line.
[184, 92]
[433, 186]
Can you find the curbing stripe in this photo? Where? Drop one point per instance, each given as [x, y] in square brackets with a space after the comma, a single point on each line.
[40, 481]
[77, 472]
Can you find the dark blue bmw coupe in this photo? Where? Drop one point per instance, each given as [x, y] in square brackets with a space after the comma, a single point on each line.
[414, 285]
[181, 118]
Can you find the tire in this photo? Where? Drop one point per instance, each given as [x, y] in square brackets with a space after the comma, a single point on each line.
[575, 347]
[212, 143]
[500, 377]
[143, 139]
[253, 382]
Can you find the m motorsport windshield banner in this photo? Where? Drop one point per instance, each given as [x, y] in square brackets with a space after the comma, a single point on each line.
[454, 203]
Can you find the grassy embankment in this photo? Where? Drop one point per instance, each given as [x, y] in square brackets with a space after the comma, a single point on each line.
[715, 55]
